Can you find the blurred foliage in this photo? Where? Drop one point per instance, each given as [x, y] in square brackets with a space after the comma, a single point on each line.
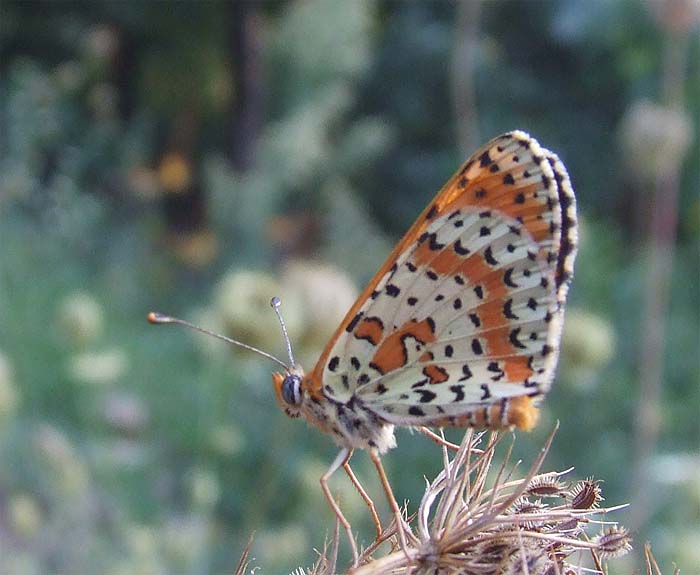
[131, 449]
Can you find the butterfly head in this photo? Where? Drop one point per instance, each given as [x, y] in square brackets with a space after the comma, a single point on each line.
[289, 390]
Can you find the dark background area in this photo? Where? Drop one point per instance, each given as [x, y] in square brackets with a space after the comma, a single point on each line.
[198, 158]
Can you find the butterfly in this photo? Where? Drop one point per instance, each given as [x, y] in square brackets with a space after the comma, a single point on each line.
[461, 325]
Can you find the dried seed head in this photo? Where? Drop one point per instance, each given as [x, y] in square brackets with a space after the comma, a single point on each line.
[494, 551]
[523, 506]
[547, 484]
[568, 527]
[508, 529]
[534, 561]
[614, 542]
[585, 494]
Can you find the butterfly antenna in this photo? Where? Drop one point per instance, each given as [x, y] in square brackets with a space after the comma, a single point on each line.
[159, 318]
[275, 303]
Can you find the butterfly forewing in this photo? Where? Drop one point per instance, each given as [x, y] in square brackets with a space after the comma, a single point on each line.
[466, 313]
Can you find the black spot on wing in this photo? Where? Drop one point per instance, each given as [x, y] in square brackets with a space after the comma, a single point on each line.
[460, 249]
[333, 363]
[513, 337]
[426, 396]
[485, 160]
[433, 244]
[353, 323]
[488, 256]
[508, 278]
[508, 311]
[466, 373]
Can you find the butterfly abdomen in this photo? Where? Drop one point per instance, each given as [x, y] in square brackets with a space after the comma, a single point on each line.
[519, 412]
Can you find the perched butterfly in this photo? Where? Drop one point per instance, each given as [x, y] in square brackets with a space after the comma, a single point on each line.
[461, 326]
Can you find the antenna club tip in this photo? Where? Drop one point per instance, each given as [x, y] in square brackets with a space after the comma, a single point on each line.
[156, 318]
[275, 302]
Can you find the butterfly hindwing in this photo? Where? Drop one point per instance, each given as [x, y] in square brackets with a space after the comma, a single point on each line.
[466, 313]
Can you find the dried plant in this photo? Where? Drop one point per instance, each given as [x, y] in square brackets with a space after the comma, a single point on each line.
[476, 518]
[652, 567]
[244, 561]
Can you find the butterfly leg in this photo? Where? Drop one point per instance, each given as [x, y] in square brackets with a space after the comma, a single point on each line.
[364, 496]
[401, 527]
[437, 438]
[341, 460]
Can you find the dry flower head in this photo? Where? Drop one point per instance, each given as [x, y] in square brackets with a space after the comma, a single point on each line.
[476, 517]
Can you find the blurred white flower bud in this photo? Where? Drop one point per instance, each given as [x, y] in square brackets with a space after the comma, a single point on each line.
[205, 489]
[101, 43]
[80, 318]
[654, 140]
[25, 515]
[98, 368]
[243, 302]
[326, 293]
[70, 473]
[588, 343]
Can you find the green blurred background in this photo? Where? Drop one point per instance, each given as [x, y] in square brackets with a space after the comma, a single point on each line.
[198, 158]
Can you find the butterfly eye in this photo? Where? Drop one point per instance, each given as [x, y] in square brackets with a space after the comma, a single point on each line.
[291, 389]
